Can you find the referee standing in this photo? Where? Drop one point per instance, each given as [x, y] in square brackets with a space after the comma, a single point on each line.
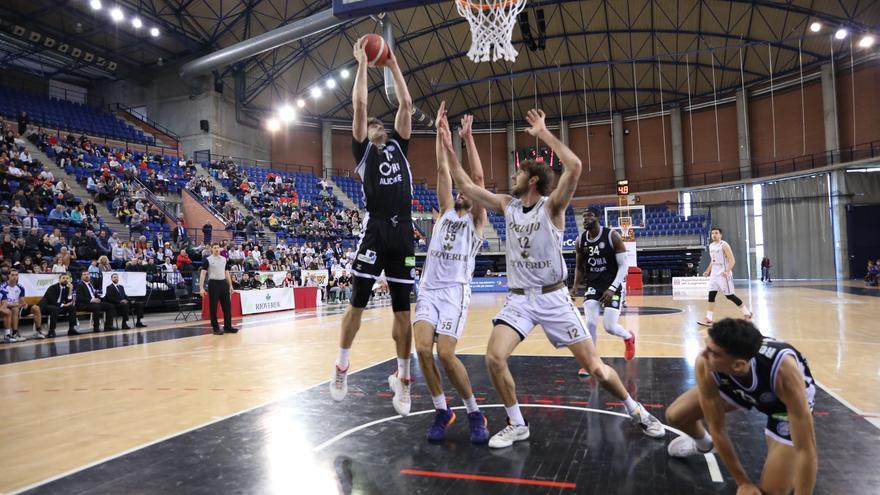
[219, 287]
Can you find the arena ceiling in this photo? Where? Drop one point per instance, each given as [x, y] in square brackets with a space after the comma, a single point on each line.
[598, 55]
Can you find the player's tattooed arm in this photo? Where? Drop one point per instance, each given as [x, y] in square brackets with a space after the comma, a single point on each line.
[790, 390]
[713, 407]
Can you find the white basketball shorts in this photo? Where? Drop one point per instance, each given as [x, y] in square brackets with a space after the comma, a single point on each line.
[445, 309]
[554, 311]
[721, 283]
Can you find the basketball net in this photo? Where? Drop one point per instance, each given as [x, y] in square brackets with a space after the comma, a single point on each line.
[491, 24]
[625, 226]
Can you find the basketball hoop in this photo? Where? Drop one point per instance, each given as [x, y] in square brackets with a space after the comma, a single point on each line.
[625, 226]
[491, 24]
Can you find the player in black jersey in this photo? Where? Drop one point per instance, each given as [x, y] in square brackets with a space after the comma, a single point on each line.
[386, 242]
[600, 260]
[741, 369]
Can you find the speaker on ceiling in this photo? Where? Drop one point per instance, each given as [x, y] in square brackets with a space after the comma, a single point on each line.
[526, 31]
[542, 28]
[203, 124]
[218, 85]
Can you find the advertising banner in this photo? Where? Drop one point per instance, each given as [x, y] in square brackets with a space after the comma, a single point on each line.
[35, 284]
[690, 288]
[135, 283]
[489, 284]
[266, 300]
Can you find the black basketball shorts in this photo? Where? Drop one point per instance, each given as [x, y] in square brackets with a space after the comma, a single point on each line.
[386, 245]
[594, 292]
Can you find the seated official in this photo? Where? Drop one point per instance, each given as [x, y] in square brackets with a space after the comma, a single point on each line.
[59, 301]
[115, 295]
[89, 299]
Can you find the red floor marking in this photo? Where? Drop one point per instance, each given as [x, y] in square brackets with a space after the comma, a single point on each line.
[494, 479]
[820, 413]
[559, 381]
[480, 399]
[384, 394]
[579, 402]
[544, 401]
[614, 403]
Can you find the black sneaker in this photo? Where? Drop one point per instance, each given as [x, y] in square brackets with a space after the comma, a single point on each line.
[231, 330]
[218, 332]
[139, 325]
[71, 333]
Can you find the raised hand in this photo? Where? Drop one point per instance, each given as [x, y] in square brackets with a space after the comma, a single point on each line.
[441, 115]
[467, 123]
[358, 51]
[445, 135]
[536, 120]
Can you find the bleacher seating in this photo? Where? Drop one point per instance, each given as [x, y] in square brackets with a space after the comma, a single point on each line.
[69, 116]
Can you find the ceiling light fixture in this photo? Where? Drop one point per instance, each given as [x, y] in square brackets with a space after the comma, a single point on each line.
[867, 41]
[95, 4]
[300, 102]
[287, 114]
[272, 125]
[816, 26]
[841, 34]
[116, 14]
[154, 32]
[331, 83]
[136, 23]
[344, 73]
[315, 92]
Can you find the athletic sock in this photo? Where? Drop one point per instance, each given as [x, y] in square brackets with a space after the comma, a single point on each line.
[439, 401]
[8, 331]
[708, 315]
[745, 310]
[403, 368]
[515, 416]
[704, 444]
[471, 404]
[342, 358]
[630, 405]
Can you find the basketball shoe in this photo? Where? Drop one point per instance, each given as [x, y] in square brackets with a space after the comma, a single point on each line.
[442, 419]
[339, 383]
[685, 446]
[509, 435]
[479, 430]
[650, 425]
[401, 401]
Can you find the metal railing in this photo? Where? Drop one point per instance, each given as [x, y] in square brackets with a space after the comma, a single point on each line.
[152, 198]
[267, 164]
[143, 118]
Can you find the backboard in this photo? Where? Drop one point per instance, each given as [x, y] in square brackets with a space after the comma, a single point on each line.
[364, 8]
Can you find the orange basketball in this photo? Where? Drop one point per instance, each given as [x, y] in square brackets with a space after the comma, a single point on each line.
[376, 49]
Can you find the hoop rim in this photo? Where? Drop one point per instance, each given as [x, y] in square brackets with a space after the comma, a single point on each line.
[486, 6]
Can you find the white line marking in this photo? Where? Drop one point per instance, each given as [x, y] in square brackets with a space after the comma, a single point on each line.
[183, 432]
[714, 470]
[716, 475]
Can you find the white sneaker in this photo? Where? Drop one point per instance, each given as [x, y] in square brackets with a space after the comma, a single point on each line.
[401, 401]
[18, 337]
[506, 437]
[339, 383]
[685, 446]
[39, 335]
[650, 425]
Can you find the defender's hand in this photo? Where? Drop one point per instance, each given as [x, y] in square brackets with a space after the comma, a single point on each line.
[536, 120]
[607, 296]
[467, 123]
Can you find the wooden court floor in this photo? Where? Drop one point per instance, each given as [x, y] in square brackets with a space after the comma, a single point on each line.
[66, 412]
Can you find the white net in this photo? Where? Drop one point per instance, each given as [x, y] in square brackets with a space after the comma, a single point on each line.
[491, 24]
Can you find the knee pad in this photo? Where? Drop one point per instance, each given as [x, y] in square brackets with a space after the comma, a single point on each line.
[362, 287]
[712, 294]
[736, 300]
[399, 296]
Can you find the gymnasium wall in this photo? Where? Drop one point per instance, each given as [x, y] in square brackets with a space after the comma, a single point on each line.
[709, 157]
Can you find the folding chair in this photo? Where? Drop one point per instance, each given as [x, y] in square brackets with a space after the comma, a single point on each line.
[186, 303]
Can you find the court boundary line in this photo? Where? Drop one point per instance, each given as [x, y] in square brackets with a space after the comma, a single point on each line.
[182, 432]
[712, 465]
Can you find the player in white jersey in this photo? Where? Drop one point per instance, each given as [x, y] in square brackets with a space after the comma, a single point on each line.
[536, 274]
[720, 273]
[13, 307]
[445, 292]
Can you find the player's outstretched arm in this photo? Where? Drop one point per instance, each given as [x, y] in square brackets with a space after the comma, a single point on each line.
[403, 119]
[561, 196]
[790, 390]
[476, 166]
[444, 179]
[359, 94]
[477, 194]
[714, 414]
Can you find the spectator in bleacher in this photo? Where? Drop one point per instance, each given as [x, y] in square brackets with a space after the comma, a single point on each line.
[269, 283]
[118, 253]
[113, 241]
[59, 267]
[102, 244]
[184, 263]
[207, 232]
[25, 156]
[76, 215]
[178, 235]
[94, 271]
[6, 246]
[57, 238]
[873, 273]
[66, 256]
[58, 215]
[32, 240]
[14, 171]
[23, 122]
[30, 222]
[27, 265]
[104, 264]
[18, 210]
[88, 298]
[91, 185]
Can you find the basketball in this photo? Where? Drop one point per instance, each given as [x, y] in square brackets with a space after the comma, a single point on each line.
[376, 48]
